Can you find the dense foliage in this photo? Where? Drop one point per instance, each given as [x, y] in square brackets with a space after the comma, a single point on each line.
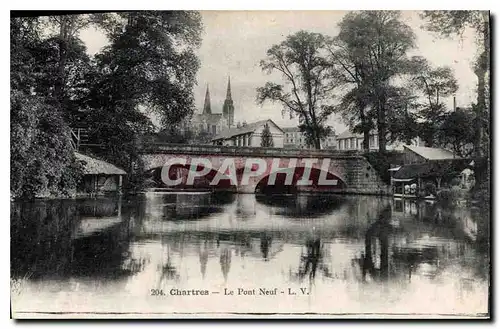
[42, 160]
[147, 71]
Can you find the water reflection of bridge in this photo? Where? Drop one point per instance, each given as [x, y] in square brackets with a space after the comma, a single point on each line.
[379, 242]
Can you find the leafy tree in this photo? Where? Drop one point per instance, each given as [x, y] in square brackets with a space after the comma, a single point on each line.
[403, 119]
[42, 160]
[349, 74]
[457, 133]
[149, 67]
[301, 61]
[175, 135]
[454, 22]
[355, 110]
[373, 47]
[435, 84]
[266, 139]
[67, 28]
[149, 64]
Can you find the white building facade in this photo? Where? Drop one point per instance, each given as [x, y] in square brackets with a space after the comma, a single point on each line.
[250, 134]
[351, 141]
[294, 138]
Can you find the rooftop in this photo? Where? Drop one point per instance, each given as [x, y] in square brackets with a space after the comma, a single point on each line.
[291, 129]
[349, 134]
[93, 166]
[432, 153]
[248, 128]
[431, 169]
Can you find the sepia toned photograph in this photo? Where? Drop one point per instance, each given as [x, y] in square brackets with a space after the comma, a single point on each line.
[250, 164]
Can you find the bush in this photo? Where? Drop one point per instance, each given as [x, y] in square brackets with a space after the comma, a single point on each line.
[445, 196]
[429, 189]
[455, 182]
[42, 159]
[380, 162]
[482, 194]
[450, 196]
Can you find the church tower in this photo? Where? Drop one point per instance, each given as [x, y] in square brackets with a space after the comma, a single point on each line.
[206, 107]
[228, 108]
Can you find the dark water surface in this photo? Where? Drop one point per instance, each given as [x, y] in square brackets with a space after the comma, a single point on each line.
[325, 254]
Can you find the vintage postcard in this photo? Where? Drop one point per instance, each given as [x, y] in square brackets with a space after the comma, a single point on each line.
[250, 164]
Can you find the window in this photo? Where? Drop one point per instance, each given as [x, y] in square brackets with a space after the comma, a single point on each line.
[214, 129]
[372, 140]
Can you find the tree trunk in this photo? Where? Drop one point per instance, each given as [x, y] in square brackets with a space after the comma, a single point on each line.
[317, 139]
[366, 129]
[63, 40]
[481, 165]
[382, 129]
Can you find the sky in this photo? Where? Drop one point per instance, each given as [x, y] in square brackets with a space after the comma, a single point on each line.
[234, 42]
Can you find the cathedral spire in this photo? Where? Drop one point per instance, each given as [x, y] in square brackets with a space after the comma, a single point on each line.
[228, 93]
[206, 107]
[228, 108]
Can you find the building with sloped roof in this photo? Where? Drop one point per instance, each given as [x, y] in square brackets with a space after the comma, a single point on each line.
[428, 165]
[250, 134]
[99, 177]
[421, 154]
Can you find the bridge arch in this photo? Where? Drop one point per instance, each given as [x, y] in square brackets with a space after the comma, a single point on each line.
[354, 172]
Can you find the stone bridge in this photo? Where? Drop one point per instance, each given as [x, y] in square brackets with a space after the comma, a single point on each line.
[349, 171]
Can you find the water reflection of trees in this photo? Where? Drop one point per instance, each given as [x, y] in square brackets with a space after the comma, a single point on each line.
[310, 259]
[426, 241]
[380, 231]
[44, 244]
[168, 271]
[98, 207]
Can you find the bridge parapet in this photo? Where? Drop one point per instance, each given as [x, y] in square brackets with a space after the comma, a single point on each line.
[159, 148]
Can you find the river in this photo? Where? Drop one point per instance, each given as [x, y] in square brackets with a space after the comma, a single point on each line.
[164, 255]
